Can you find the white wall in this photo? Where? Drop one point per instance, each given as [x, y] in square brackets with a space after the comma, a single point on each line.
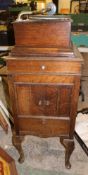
[24, 1]
[40, 4]
[64, 4]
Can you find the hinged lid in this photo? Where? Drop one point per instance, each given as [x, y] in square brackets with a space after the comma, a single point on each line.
[42, 35]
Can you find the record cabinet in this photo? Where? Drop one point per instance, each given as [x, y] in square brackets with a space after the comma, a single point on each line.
[44, 71]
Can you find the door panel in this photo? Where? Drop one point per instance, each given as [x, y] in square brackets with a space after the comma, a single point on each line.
[43, 100]
[64, 100]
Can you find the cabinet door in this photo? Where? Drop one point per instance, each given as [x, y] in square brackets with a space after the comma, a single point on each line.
[43, 100]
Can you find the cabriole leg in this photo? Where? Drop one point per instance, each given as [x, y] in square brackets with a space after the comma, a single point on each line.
[69, 147]
[17, 141]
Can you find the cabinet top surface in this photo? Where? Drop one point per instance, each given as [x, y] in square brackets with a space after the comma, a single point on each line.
[73, 55]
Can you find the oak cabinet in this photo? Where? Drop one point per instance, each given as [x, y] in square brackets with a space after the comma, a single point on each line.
[44, 88]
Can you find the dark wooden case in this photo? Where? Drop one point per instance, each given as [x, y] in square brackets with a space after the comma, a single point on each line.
[44, 88]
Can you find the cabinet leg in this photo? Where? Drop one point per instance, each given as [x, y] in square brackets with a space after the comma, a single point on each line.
[17, 140]
[69, 147]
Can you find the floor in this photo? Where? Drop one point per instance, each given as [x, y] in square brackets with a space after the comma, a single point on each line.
[46, 156]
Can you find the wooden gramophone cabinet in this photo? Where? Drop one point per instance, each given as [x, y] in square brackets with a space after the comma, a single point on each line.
[44, 70]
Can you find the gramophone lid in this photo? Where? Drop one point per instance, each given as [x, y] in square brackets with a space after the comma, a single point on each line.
[27, 17]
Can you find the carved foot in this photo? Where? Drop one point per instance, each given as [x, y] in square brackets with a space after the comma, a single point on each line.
[17, 140]
[69, 147]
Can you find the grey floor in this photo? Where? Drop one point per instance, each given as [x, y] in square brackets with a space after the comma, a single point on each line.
[47, 155]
